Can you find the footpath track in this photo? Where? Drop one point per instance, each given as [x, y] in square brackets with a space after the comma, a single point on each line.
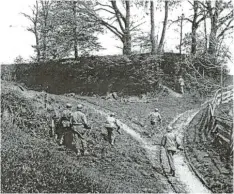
[185, 180]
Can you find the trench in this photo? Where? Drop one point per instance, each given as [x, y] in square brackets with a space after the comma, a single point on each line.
[184, 174]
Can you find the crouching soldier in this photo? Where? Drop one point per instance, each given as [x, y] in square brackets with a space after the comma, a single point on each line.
[112, 127]
[79, 128]
[171, 142]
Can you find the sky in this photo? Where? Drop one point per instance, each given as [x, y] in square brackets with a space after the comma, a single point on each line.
[15, 40]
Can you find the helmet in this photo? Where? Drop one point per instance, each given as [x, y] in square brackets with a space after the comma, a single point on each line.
[79, 106]
[112, 114]
[156, 109]
[169, 129]
[68, 105]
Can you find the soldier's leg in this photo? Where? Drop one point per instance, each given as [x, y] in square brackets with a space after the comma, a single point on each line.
[170, 160]
[109, 133]
[113, 135]
[76, 144]
[182, 89]
[60, 138]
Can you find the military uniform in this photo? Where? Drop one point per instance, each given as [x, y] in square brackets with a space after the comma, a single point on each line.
[65, 124]
[155, 121]
[171, 143]
[79, 122]
[112, 127]
[181, 82]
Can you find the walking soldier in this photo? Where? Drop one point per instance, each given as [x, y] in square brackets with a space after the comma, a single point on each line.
[170, 142]
[65, 123]
[79, 126]
[155, 121]
[112, 127]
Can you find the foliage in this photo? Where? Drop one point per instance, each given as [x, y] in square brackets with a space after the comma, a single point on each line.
[63, 27]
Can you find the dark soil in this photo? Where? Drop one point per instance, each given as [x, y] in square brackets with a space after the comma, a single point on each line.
[208, 158]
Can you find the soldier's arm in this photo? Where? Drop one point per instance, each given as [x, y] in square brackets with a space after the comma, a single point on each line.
[118, 126]
[163, 142]
[159, 118]
[178, 142]
[85, 122]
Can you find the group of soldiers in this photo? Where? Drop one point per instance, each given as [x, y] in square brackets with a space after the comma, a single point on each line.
[70, 130]
[71, 127]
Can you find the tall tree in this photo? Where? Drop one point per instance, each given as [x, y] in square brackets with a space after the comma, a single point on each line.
[198, 17]
[119, 21]
[161, 42]
[152, 26]
[34, 28]
[221, 20]
[62, 28]
[45, 26]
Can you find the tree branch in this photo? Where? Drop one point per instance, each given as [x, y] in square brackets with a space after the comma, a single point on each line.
[103, 9]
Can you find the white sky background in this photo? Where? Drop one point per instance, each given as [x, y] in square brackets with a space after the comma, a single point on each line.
[15, 40]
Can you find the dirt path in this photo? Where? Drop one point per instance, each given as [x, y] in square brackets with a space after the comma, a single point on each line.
[184, 174]
[185, 180]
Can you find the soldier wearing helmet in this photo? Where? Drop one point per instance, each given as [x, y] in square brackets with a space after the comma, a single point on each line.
[171, 142]
[181, 84]
[155, 121]
[112, 127]
[65, 122]
[79, 127]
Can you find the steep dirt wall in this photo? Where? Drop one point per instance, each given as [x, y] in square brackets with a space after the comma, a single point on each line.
[93, 75]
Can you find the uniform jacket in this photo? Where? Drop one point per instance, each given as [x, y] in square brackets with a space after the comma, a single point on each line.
[79, 118]
[111, 122]
[170, 141]
[155, 117]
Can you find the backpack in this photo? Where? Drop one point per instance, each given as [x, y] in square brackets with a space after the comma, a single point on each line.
[66, 123]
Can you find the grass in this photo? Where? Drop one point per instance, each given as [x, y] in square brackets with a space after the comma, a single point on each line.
[33, 162]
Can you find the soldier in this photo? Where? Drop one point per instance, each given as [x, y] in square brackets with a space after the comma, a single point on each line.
[181, 82]
[155, 121]
[171, 142]
[79, 123]
[112, 127]
[65, 123]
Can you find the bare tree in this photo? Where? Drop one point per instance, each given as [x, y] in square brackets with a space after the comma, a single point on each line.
[221, 18]
[161, 42]
[34, 28]
[152, 32]
[45, 26]
[120, 16]
[198, 17]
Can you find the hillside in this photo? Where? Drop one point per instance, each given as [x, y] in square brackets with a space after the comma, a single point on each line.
[98, 75]
[28, 151]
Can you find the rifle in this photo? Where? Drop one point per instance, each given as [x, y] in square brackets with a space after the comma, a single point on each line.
[87, 127]
[77, 133]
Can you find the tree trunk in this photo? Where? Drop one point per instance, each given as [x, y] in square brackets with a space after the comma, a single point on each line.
[127, 36]
[194, 28]
[160, 46]
[213, 31]
[37, 45]
[36, 33]
[45, 10]
[152, 34]
[181, 32]
[74, 31]
[212, 40]
[206, 39]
